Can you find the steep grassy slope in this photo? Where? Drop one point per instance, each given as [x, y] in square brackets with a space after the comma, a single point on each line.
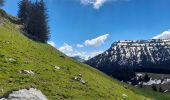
[17, 52]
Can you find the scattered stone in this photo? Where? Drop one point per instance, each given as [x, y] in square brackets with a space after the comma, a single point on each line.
[165, 91]
[124, 96]
[79, 78]
[26, 94]
[80, 75]
[57, 67]
[12, 60]
[82, 81]
[26, 72]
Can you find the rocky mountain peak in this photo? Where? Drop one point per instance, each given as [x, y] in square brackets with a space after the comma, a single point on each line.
[136, 53]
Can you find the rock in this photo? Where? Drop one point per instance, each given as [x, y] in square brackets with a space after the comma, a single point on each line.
[124, 96]
[26, 72]
[57, 67]
[26, 94]
[80, 75]
[82, 81]
[79, 78]
[165, 91]
[12, 60]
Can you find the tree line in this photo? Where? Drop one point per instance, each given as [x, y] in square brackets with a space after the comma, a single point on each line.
[34, 17]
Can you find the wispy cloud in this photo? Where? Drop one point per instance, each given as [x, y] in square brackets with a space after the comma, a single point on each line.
[163, 35]
[79, 45]
[96, 41]
[98, 3]
[66, 48]
[51, 43]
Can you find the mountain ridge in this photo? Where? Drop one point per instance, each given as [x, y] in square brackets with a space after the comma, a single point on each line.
[140, 55]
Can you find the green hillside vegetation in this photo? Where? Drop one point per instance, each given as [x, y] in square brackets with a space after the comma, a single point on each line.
[18, 53]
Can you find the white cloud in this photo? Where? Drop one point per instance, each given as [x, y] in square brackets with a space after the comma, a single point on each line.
[96, 3]
[85, 55]
[69, 51]
[93, 54]
[163, 35]
[66, 48]
[80, 45]
[51, 43]
[96, 41]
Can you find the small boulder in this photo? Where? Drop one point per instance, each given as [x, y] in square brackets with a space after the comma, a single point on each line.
[26, 72]
[79, 78]
[82, 81]
[124, 96]
[12, 60]
[57, 67]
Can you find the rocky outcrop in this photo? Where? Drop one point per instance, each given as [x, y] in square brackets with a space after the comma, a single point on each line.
[24, 94]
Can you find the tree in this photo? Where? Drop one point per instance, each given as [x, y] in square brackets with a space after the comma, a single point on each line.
[146, 78]
[134, 81]
[35, 19]
[24, 10]
[32, 21]
[38, 22]
[160, 89]
[141, 85]
[154, 88]
[43, 22]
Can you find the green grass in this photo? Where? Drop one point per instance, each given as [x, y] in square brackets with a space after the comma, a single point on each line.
[55, 84]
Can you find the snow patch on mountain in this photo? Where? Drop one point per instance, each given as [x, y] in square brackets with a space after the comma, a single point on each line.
[132, 53]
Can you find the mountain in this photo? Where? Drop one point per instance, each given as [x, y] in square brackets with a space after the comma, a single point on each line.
[140, 55]
[78, 58]
[26, 64]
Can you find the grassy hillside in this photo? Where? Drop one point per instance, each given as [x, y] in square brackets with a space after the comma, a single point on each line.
[17, 53]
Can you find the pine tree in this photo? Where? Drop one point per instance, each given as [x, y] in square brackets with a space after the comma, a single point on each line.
[154, 88]
[1, 3]
[146, 78]
[24, 10]
[38, 22]
[32, 21]
[160, 89]
[43, 22]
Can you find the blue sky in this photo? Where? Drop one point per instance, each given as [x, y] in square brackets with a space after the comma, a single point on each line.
[89, 27]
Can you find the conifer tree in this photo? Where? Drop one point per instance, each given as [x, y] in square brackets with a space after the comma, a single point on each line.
[32, 21]
[35, 19]
[154, 88]
[24, 10]
[43, 22]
